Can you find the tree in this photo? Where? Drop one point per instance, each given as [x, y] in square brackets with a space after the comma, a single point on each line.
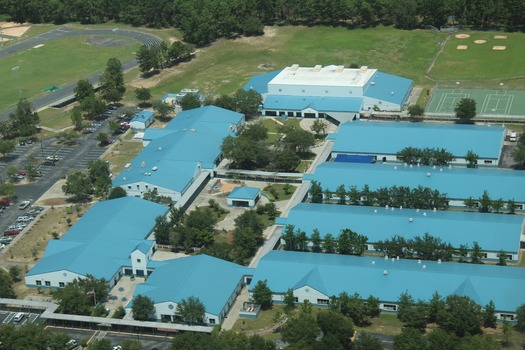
[518, 154]
[489, 315]
[329, 243]
[93, 106]
[102, 137]
[316, 192]
[162, 109]
[340, 193]
[470, 203]
[475, 253]
[367, 341]
[485, 203]
[520, 316]
[99, 176]
[298, 140]
[143, 94]
[117, 192]
[7, 190]
[190, 101]
[472, 159]
[287, 161]
[247, 102]
[100, 344]
[6, 285]
[415, 111]
[409, 339]
[142, 307]
[112, 81]
[6, 146]
[289, 302]
[83, 90]
[14, 273]
[191, 310]
[318, 127]
[146, 59]
[76, 118]
[162, 230]
[24, 119]
[300, 330]
[262, 295]
[333, 323]
[289, 237]
[315, 239]
[78, 185]
[438, 339]
[225, 101]
[465, 110]
[461, 316]
[435, 305]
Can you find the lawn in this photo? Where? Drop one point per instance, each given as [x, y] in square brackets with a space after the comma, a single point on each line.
[265, 319]
[59, 62]
[55, 118]
[122, 153]
[227, 65]
[479, 62]
[277, 190]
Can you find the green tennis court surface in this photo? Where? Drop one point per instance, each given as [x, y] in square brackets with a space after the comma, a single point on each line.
[488, 102]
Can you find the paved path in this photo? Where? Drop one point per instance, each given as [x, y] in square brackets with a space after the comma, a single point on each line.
[41, 102]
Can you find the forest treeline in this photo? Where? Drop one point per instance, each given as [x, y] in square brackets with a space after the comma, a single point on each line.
[203, 21]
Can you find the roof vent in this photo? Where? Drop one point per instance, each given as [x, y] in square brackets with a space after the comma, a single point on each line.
[392, 208]
[417, 210]
[434, 210]
[424, 214]
[400, 207]
[419, 261]
[373, 262]
[193, 130]
[154, 168]
[397, 257]
[386, 257]
[124, 178]
[434, 167]
[391, 92]
[375, 210]
[441, 169]
[424, 266]
[372, 83]
[450, 166]
[410, 220]
[160, 148]
[395, 167]
[428, 174]
[439, 261]
[385, 272]
[393, 259]
[386, 206]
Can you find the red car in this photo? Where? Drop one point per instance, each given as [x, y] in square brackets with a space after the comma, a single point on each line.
[21, 172]
[12, 232]
[4, 202]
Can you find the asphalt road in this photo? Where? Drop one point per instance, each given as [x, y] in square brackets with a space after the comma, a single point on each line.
[61, 32]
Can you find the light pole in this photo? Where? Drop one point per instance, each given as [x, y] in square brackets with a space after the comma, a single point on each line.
[16, 69]
[115, 30]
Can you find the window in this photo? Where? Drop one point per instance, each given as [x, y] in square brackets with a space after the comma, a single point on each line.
[138, 260]
[138, 187]
[303, 90]
[38, 283]
[212, 321]
[487, 162]
[389, 307]
[146, 186]
[484, 255]
[129, 187]
[48, 283]
[155, 188]
[326, 91]
[295, 299]
[507, 317]
[509, 257]
[280, 90]
[323, 301]
[61, 284]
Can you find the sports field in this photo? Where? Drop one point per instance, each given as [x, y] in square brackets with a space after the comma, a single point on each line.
[488, 102]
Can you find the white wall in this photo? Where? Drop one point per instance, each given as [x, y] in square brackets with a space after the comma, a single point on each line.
[54, 279]
[369, 103]
[170, 308]
[139, 261]
[315, 90]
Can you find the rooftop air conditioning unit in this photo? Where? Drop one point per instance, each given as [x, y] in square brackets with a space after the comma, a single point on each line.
[154, 168]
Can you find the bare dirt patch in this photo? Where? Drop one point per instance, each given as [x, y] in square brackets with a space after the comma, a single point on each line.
[480, 41]
[500, 37]
[499, 48]
[15, 31]
[462, 47]
[462, 36]
[104, 41]
[4, 39]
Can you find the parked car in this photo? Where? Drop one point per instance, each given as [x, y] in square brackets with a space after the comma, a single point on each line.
[39, 208]
[21, 172]
[22, 142]
[513, 137]
[53, 158]
[24, 204]
[107, 142]
[4, 202]
[12, 232]
[37, 174]
[17, 177]
[49, 163]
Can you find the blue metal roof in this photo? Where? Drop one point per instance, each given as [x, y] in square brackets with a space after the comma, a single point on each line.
[318, 103]
[332, 274]
[193, 137]
[493, 232]
[260, 82]
[244, 193]
[143, 116]
[102, 240]
[385, 84]
[392, 137]
[210, 279]
[456, 183]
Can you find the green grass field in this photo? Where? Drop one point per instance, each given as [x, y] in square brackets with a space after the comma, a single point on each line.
[58, 62]
[228, 64]
[480, 63]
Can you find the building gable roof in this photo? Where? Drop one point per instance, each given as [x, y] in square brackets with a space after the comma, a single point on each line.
[388, 87]
[102, 239]
[362, 137]
[260, 82]
[142, 116]
[492, 231]
[244, 192]
[210, 279]
[388, 279]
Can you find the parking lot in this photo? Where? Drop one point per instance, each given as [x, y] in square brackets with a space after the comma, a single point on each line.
[8, 317]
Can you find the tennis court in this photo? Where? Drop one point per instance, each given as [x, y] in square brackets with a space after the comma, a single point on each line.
[488, 102]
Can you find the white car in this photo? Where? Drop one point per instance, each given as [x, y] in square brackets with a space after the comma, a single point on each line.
[24, 204]
[53, 158]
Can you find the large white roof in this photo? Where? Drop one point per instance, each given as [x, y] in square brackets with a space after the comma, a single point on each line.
[326, 76]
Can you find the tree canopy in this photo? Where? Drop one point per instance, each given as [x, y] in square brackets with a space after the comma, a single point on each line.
[465, 110]
[191, 310]
[112, 81]
[142, 308]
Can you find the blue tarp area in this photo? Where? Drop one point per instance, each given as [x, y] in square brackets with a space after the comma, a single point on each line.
[354, 158]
